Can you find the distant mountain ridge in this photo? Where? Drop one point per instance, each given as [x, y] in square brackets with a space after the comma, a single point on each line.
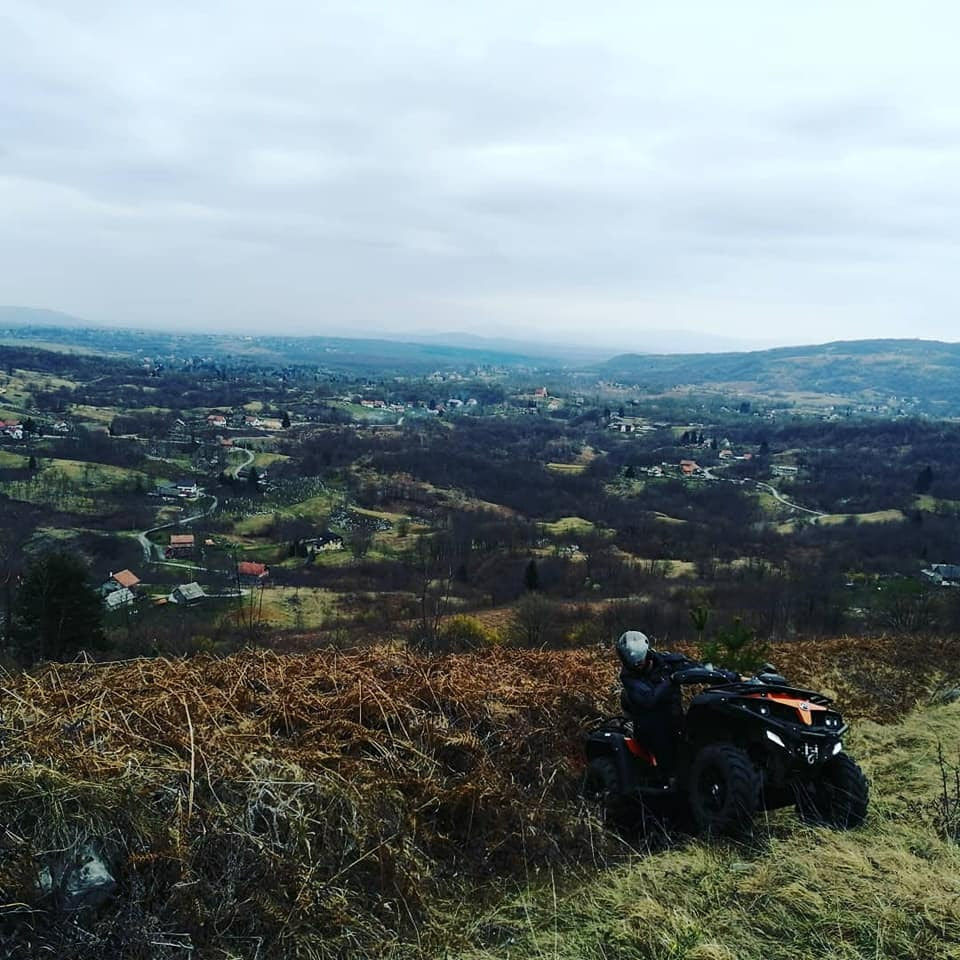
[38, 317]
[867, 370]
[925, 369]
[573, 349]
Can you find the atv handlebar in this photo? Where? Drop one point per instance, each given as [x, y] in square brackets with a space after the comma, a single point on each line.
[701, 674]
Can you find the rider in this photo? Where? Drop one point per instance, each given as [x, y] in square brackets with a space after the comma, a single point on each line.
[649, 697]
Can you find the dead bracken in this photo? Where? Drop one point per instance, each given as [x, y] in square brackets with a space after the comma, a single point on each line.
[323, 803]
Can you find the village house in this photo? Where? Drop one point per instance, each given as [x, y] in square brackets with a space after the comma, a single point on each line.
[540, 393]
[181, 545]
[626, 424]
[251, 573]
[782, 470]
[187, 594]
[12, 429]
[252, 421]
[118, 598]
[187, 488]
[125, 579]
[689, 467]
[167, 491]
[217, 420]
[244, 473]
[323, 543]
[726, 454]
[946, 574]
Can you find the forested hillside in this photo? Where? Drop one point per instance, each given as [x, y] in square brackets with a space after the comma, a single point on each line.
[882, 369]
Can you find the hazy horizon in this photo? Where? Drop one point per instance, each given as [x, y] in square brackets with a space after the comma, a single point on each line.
[746, 173]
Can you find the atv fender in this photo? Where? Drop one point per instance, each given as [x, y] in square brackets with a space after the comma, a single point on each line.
[612, 744]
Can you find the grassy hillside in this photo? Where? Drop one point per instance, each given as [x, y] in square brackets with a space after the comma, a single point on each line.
[385, 804]
[891, 889]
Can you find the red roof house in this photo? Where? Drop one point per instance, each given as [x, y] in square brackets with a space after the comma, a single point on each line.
[253, 572]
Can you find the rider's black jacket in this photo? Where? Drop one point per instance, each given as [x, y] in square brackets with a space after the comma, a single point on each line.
[651, 689]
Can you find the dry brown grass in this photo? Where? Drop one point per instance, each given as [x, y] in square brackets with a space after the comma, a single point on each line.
[308, 802]
[328, 804]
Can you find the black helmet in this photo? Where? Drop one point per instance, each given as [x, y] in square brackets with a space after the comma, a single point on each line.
[632, 649]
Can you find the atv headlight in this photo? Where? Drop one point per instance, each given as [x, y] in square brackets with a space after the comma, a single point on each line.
[837, 747]
[773, 738]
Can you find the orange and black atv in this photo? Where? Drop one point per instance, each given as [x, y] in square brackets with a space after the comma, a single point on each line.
[743, 746]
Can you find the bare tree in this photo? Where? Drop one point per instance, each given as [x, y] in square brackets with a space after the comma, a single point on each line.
[432, 560]
[532, 619]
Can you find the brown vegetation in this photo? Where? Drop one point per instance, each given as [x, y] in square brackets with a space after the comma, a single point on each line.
[321, 799]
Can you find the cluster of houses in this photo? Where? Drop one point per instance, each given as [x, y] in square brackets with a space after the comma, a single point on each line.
[122, 588]
[252, 421]
[119, 589]
[633, 425]
[452, 403]
[383, 405]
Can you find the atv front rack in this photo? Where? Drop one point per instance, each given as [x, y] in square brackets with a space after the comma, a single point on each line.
[746, 687]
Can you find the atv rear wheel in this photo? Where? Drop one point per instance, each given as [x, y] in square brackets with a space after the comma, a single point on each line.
[838, 798]
[723, 789]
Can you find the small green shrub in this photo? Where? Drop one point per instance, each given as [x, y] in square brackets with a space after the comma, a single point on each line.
[735, 647]
[468, 633]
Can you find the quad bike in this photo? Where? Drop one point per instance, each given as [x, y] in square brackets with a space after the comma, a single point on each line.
[743, 746]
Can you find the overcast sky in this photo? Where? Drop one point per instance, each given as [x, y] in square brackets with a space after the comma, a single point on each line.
[767, 171]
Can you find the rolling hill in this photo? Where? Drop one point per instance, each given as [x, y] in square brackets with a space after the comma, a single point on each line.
[870, 369]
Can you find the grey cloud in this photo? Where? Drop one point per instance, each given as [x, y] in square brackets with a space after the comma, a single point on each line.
[424, 166]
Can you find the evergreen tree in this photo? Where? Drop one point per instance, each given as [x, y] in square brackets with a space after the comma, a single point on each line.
[285, 422]
[531, 576]
[57, 613]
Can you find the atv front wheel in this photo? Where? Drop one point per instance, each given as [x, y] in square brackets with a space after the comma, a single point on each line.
[723, 790]
[601, 788]
[837, 798]
[601, 781]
